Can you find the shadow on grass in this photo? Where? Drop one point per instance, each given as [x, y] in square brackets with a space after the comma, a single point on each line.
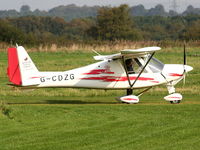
[63, 102]
[76, 102]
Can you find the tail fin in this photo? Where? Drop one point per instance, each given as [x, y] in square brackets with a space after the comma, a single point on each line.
[21, 69]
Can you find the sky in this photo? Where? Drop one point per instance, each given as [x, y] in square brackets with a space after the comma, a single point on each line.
[48, 4]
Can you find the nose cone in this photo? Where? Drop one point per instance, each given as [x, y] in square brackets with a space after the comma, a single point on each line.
[188, 68]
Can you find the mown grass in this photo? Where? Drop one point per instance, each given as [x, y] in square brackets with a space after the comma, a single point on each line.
[79, 119]
[80, 127]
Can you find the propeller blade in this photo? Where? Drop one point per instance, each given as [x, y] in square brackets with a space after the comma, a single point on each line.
[184, 54]
[184, 77]
[184, 63]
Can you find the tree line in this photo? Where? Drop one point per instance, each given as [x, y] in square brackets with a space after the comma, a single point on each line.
[110, 24]
[72, 11]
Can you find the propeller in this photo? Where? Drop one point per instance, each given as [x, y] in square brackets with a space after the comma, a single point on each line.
[184, 76]
[184, 63]
[184, 54]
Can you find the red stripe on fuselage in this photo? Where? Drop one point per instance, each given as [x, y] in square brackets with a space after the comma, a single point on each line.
[113, 78]
[175, 75]
[98, 71]
[34, 77]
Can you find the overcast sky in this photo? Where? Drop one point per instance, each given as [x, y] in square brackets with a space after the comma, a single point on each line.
[48, 4]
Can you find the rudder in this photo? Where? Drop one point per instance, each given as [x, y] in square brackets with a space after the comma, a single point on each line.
[21, 69]
[13, 70]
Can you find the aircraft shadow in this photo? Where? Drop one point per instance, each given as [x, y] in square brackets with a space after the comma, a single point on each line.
[62, 102]
[75, 102]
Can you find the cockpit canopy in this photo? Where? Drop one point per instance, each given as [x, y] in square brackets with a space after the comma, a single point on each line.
[135, 65]
[155, 65]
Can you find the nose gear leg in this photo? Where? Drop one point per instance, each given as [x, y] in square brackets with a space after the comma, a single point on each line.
[173, 97]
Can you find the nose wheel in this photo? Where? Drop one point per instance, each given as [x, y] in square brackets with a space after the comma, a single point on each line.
[174, 98]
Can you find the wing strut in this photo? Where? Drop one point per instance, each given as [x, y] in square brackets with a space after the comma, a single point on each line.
[142, 69]
[130, 90]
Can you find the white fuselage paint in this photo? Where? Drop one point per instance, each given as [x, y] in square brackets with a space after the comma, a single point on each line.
[108, 74]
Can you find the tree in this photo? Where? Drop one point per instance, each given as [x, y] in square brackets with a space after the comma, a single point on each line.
[191, 11]
[25, 10]
[159, 10]
[10, 34]
[115, 24]
[193, 31]
[138, 10]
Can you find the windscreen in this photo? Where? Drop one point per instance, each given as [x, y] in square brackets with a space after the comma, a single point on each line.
[155, 65]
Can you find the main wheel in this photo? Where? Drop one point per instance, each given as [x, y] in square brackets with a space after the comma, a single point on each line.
[175, 102]
[129, 91]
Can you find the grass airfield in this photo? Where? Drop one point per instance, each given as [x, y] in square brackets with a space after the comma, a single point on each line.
[78, 119]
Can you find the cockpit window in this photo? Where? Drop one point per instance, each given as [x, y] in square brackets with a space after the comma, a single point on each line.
[129, 66]
[133, 65]
[155, 65]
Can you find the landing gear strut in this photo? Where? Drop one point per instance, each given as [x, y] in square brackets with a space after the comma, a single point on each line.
[129, 92]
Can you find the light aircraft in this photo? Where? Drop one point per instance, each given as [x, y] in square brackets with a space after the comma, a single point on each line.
[130, 69]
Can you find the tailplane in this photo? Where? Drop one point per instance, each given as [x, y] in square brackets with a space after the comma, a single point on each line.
[21, 69]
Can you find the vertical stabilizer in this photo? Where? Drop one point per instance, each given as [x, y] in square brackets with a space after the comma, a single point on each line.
[21, 69]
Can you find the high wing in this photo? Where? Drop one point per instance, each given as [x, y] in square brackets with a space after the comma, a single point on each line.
[129, 53]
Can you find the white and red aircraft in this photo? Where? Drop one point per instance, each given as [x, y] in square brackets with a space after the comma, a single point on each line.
[130, 69]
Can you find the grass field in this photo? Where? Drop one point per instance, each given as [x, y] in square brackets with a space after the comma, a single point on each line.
[78, 119]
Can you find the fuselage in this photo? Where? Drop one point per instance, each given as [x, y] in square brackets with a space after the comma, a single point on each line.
[111, 74]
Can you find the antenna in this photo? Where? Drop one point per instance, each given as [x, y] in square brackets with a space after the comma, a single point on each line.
[174, 5]
[96, 52]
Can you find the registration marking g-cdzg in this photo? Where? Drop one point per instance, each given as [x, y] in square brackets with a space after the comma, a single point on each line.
[55, 78]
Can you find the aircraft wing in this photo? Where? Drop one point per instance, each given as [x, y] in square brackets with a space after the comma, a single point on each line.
[107, 57]
[129, 52]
